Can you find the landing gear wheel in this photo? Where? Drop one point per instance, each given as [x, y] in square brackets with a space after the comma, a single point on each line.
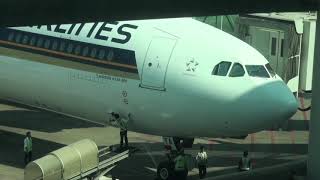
[163, 171]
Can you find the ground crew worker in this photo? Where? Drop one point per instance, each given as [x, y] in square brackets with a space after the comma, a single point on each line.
[27, 147]
[245, 162]
[123, 137]
[180, 166]
[122, 122]
[202, 160]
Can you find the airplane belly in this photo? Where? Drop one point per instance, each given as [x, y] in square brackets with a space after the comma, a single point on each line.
[170, 114]
[62, 90]
[32, 83]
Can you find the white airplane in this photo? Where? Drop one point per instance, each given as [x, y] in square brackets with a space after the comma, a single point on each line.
[177, 77]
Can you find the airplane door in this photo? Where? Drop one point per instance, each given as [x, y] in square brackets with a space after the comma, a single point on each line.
[156, 62]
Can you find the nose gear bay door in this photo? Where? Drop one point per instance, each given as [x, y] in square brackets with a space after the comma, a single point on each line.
[156, 63]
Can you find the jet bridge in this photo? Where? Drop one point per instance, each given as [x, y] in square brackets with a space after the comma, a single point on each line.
[80, 160]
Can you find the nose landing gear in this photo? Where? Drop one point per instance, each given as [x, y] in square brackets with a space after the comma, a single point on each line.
[165, 169]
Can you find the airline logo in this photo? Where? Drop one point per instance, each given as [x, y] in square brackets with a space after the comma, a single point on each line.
[191, 65]
[102, 30]
[74, 54]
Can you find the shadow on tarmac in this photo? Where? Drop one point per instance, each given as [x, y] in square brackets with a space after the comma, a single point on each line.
[135, 166]
[11, 149]
[41, 121]
[138, 165]
[296, 125]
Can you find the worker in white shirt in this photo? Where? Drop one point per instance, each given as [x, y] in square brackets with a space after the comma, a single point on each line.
[245, 162]
[202, 160]
[27, 147]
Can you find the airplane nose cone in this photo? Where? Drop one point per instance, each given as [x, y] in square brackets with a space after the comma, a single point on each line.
[288, 104]
[280, 101]
[270, 105]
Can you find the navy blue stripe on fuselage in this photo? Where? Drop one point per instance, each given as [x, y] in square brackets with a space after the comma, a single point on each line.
[71, 50]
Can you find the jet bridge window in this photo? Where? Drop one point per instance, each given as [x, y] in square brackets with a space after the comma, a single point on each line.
[221, 69]
[257, 71]
[237, 70]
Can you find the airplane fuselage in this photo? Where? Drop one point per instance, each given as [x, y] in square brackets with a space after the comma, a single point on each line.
[156, 70]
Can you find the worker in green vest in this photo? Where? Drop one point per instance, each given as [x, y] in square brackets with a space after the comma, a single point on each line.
[245, 162]
[27, 147]
[180, 166]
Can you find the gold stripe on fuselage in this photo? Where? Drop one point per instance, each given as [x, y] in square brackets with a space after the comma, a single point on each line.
[23, 55]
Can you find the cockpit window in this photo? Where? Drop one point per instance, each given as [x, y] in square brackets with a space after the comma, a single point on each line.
[271, 71]
[257, 71]
[221, 69]
[237, 70]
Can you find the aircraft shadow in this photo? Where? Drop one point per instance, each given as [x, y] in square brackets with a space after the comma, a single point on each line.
[271, 148]
[11, 149]
[136, 167]
[148, 156]
[296, 125]
[41, 121]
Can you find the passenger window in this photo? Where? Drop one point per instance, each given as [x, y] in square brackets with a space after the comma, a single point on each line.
[101, 53]
[237, 70]
[70, 48]
[62, 46]
[39, 42]
[271, 71]
[257, 71]
[85, 51]
[110, 55]
[32, 41]
[47, 44]
[93, 52]
[54, 45]
[11, 36]
[77, 50]
[221, 69]
[25, 39]
[18, 38]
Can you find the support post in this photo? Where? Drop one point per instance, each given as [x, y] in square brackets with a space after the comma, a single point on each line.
[313, 172]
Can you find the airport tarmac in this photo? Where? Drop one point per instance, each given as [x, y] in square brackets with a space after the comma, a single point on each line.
[51, 131]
